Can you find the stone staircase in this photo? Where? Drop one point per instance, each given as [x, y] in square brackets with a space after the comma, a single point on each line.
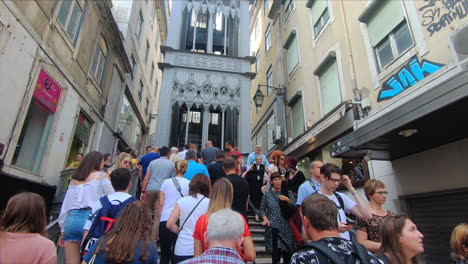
[258, 237]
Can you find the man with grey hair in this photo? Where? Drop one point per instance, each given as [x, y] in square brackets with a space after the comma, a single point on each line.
[224, 235]
[208, 154]
[252, 156]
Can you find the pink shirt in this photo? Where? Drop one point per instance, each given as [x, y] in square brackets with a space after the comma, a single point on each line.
[29, 248]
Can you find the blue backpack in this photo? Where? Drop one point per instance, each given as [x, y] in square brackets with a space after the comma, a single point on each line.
[103, 221]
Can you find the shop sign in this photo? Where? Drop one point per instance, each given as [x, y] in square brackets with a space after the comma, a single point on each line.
[47, 91]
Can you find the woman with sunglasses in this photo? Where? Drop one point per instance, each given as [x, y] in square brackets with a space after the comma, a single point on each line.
[368, 231]
[124, 160]
[402, 243]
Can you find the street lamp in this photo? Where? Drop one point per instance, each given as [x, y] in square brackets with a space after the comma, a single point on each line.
[259, 96]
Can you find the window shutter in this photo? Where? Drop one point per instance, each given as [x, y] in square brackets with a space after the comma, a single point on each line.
[318, 6]
[330, 88]
[293, 59]
[384, 20]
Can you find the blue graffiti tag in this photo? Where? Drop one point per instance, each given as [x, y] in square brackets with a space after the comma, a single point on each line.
[408, 76]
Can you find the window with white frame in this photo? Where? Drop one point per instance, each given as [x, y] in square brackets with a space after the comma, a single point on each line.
[320, 15]
[70, 18]
[99, 60]
[257, 62]
[330, 90]
[389, 33]
[140, 91]
[133, 65]
[139, 25]
[153, 15]
[152, 71]
[271, 132]
[147, 51]
[288, 7]
[297, 113]
[293, 58]
[268, 38]
[266, 6]
[269, 79]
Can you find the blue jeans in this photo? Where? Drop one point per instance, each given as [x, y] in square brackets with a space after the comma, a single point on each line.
[73, 227]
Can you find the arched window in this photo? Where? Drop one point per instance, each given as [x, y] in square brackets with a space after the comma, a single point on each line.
[99, 60]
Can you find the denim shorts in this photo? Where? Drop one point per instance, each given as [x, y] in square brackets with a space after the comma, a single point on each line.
[74, 223]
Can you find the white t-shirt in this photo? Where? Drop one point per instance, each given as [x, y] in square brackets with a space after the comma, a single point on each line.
[171, 195]
[185, 241]
[348, 205]
[114, 198]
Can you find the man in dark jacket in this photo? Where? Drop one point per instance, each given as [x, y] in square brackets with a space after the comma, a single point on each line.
[216, 169]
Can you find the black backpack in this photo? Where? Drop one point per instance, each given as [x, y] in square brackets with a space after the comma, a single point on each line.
[359, 253]
[104, 220]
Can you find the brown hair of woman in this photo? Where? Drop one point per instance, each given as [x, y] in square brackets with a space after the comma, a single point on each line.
[222, 195]
[91, 162]
[200, 184]
[133, 225]
[25, 213]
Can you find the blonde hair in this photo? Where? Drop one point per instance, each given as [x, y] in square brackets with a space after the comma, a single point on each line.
[121, 157]
[370, 186]
[221, 197]
[459, 239]
[181, 167]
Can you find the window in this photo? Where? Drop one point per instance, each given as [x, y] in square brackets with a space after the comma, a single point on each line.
[269, 79]
[147, 106]
[288, 7]
[99, 60]
[257, 30]
[271, 132]
[33, 138]
[268, 38]
[389, 33]
[70, 18]
[152, 71]
[200, 20]
[133, 64]
[153, 15]
[330, 91]
[218, 23]
[293, 58]
[259, 138]
[266, 7]
[139, 25]
[81, 137]
[297, 113]
[396, 43]
[140, 92]
[147, 51]
[320, 15]
[257, 62]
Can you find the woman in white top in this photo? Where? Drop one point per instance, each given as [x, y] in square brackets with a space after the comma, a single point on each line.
[87, 185]
[172, 190]
[188, 210]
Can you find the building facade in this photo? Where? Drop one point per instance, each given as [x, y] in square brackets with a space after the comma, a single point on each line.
[377, 87]
[206, 75]
[65, 70]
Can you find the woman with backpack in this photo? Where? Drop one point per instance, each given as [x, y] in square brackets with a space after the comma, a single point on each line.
[187, 211]
[221, 197]
[172, 190]
[87, 185]
[129, 241]
[271, 211]
[23, 235]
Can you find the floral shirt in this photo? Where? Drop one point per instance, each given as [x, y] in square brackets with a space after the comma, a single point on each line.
[372, 226]
[342, 247]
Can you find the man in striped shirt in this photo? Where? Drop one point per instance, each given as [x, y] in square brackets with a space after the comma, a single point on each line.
[224, 236]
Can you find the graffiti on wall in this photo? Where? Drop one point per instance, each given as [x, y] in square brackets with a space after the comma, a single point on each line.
[407, 76]
[437, 14]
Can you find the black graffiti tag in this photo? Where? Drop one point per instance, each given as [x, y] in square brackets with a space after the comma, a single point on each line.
[437, 16]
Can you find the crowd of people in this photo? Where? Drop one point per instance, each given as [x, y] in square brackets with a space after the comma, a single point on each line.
[194, 206]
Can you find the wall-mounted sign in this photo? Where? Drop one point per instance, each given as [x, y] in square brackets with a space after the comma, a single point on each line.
[47, 91]
[407, 76]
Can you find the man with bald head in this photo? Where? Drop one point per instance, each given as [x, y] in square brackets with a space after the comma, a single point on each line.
[208, 154]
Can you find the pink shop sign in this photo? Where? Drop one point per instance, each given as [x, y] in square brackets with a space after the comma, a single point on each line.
[47, 91]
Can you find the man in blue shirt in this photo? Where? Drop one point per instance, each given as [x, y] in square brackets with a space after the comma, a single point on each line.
[258, 151]
[147, 159]
[194, 167]
[313, 184]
